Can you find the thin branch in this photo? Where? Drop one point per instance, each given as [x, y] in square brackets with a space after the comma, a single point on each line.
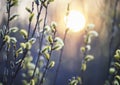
[112, 37]
[1, 46]
[40, 42]
[19, 66]
[38, 16]
[8, 17]
[84, 55]
[60, 58]
[8, 22]
[112, 31]
[47, 66]
[30, 21]
[24, 52]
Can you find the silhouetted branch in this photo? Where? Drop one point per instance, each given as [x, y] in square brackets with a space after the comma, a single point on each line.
[37, 21]
[60, 58]
[30, 21]
[8, 12]
[111, 51]
[40, 47]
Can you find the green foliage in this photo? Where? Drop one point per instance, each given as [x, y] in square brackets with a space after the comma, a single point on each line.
[47, 55]
[14, 2]
[29, 67]
[28, 10]
[90, 33]
[32, 40]
[82, 49]
[13, 17]
[19, 49]
[50, 0]
[89, 58]
[1, 84]
[114, 69]
[28, 45]
[117, 55]
[50, 39]
[117, 65]
[14, 48]
[7, 38]
[84, 66]
[46, 49]
[117, 77]
[116, 82]
[47, 29]
[13, 40]
[24, 33]
[32, 82]
[31, 17]
[13, 29]
[52, 64]
[23, 45]
[53, 26]
[58, 44]
[53, 43]
[75, 81]
[57, 47]
[21, 58]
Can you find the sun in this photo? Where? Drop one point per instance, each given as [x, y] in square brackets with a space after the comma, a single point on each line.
[75, 21]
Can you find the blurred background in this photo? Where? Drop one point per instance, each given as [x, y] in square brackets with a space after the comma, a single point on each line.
[98, 12]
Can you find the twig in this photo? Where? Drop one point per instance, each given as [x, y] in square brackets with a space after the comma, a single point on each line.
[24, 52]
[112, 31]
[41, 42]
[60, 58]
[8, 17]
[47, 66]
[8, 22]
[84, 55]
[38, 16]
[112, 37]
[19, 66]
[30, 21]
[3, 43]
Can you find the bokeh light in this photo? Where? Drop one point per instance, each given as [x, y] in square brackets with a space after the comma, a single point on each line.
[75, 21]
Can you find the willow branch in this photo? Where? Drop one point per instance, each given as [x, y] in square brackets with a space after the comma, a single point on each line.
[112, 31]
[29, 27]
[37, 21]
[60, 58]
[112, 37]
[40, 42]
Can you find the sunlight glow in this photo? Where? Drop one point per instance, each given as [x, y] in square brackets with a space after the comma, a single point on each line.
[75, 21]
